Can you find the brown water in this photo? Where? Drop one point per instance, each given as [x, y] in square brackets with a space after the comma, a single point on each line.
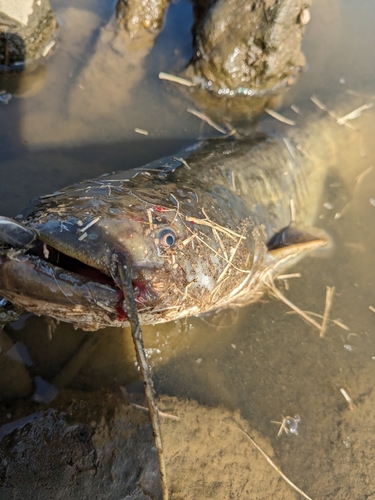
[263, 360]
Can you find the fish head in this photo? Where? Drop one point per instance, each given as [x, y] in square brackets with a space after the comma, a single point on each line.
[70, 270]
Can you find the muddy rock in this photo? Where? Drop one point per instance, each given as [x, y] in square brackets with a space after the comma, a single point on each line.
[97, 447]
[249, 48]
[136, 17]
[27, 28]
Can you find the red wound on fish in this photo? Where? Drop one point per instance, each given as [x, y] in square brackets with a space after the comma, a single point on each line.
[158, 208]
[141, 292]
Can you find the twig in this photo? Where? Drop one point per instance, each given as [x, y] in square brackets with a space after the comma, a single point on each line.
[330, 290]
[286, 479]
[372, 308]
[207, 119]
[124, 274]
[175, 79]
[279, 117]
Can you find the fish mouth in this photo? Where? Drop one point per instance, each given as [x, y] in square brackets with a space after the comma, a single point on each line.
[47, 281]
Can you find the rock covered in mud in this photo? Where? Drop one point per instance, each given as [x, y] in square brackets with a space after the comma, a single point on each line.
[82, 447]
[136, 16]
[96, 446]
[247, 47]
[27, 28]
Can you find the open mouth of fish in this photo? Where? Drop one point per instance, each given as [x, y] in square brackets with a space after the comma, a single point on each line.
[47, 281]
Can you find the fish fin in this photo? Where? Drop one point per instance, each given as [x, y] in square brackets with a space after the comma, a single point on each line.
[293, 241]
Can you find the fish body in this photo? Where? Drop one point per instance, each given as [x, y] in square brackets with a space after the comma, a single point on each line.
[202, 230]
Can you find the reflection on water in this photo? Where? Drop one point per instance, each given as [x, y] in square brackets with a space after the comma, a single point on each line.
[263, 360]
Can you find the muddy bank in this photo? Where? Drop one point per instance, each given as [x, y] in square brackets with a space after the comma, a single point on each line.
[97, 446]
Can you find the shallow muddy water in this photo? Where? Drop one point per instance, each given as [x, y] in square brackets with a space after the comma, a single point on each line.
[75, 119]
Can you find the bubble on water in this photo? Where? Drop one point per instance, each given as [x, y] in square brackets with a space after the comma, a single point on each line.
[291, 424]
[347, 442]
[348, 347]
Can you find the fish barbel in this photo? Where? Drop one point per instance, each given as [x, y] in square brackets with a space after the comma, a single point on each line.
[202, 230]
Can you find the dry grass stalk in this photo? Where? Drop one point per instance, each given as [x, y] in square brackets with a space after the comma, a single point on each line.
[276, 292]
[286, 479]
[289, 147]
[279, 117]
[348, 399]
[337, 322]
[141, 131]
[247, 271]
[296, 109]
[340, 324]
[330, 290]
[233, 253]
[207, 119]
[288, 276]
[354, 114]
[161, 413]
[220, 241]
[372, 308]
[175, 79]
[332, 114]
[94, 221]
[210, 223]
[184, 162]
[359, 94]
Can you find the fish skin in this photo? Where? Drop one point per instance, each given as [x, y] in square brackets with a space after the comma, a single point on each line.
[194, 228]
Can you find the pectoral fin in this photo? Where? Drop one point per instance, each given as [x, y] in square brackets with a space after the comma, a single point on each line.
[295, 241]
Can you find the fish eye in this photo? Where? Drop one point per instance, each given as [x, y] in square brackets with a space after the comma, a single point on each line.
[167, 238]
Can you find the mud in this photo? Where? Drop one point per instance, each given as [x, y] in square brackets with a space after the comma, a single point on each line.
[97, 446]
